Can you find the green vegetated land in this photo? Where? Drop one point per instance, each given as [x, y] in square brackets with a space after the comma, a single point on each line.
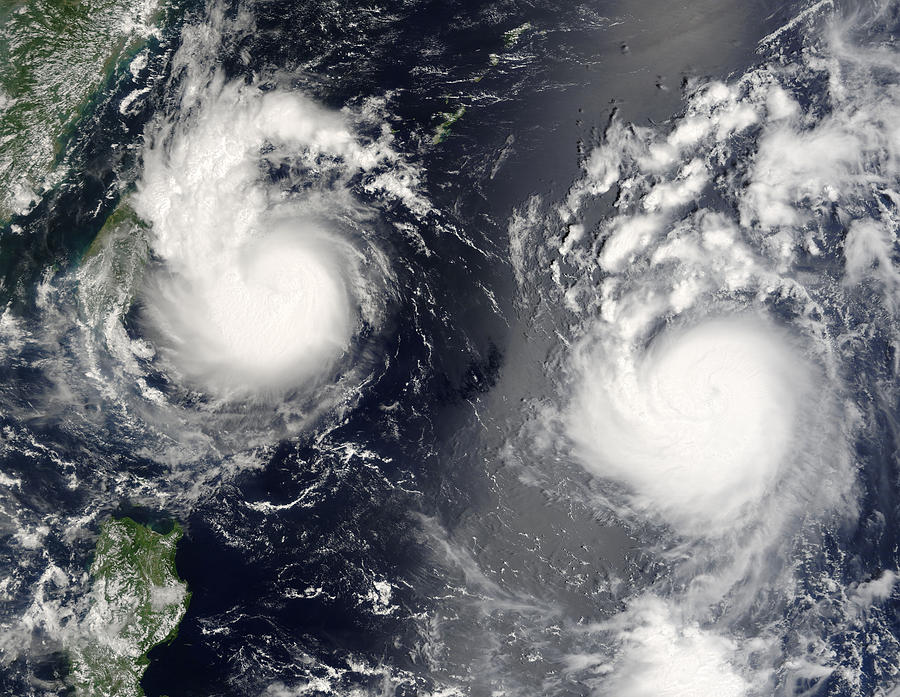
[137, 602]
[448, 118]
[443, 130]
[54, 55]
[113, 266]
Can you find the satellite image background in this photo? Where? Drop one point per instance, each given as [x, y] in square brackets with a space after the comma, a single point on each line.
[444, 349]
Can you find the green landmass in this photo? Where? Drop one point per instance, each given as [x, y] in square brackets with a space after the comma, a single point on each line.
[443, 129]
[510, 39]
[137, 602]
[54, 56]
[113, 266]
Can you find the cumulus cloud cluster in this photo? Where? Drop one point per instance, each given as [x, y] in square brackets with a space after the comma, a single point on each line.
[704, 384]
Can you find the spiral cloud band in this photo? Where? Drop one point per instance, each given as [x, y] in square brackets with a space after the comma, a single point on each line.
[279, 312]
[699, 424]
[263, 288]
[743, 286]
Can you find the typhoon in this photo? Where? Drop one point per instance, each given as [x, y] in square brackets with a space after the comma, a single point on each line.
[727, 311]
[257, 290]
[254, 273]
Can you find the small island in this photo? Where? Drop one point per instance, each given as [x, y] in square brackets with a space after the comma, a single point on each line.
[137, 602]
[448, 118]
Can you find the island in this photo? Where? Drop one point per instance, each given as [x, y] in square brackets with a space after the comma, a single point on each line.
[137, 602]
[448, 118]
